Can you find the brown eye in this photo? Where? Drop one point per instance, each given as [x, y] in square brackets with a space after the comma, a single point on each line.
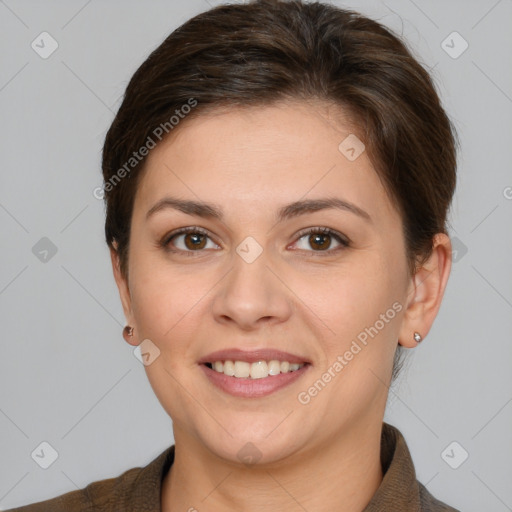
[321, 240]
[188, 240]
[194, 241]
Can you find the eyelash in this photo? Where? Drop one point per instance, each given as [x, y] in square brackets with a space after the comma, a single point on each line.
[345, 243]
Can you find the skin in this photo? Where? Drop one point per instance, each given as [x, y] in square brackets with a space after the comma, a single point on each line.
[295, 297]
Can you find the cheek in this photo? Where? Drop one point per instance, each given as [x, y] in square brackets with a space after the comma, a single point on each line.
[363, 308]
[165, 302]
[361, 301]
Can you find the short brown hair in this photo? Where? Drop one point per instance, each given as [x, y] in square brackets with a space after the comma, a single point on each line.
[255, 54]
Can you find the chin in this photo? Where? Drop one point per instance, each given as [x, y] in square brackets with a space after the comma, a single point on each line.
[252, 442]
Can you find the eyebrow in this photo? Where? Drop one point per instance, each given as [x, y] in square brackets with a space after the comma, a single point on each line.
[295, 209]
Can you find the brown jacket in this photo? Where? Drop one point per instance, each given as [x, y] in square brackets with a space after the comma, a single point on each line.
[139, 489]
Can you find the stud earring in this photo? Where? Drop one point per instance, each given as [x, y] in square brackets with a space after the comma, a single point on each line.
[417, 337]
[127, 332]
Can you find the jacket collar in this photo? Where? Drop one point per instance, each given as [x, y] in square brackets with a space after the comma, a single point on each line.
[398, 491]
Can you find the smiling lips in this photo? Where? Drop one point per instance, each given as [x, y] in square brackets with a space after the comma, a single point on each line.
[252, 373]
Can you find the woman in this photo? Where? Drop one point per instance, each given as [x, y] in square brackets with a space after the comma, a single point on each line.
[277, 182]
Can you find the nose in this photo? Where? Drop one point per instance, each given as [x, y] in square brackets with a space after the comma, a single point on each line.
[252, 295]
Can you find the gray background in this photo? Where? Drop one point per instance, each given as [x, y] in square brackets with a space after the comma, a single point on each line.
[66, 375]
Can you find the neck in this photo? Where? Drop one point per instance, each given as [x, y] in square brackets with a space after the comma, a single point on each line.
[342, 474]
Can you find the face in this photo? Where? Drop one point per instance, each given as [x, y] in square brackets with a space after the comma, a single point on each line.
[260, 279]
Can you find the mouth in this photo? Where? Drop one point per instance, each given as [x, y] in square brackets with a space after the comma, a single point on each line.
[253, 374]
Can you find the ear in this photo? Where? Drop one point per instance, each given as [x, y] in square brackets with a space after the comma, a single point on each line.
[426, 292]
[124, 291]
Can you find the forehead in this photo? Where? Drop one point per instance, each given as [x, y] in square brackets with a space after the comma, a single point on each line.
[262, 157]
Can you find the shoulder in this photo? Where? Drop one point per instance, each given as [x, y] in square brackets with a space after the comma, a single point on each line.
[97, 496]
[135, 489]
[431, 504]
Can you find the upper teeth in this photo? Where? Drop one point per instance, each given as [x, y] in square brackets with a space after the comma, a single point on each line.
[258, 370]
